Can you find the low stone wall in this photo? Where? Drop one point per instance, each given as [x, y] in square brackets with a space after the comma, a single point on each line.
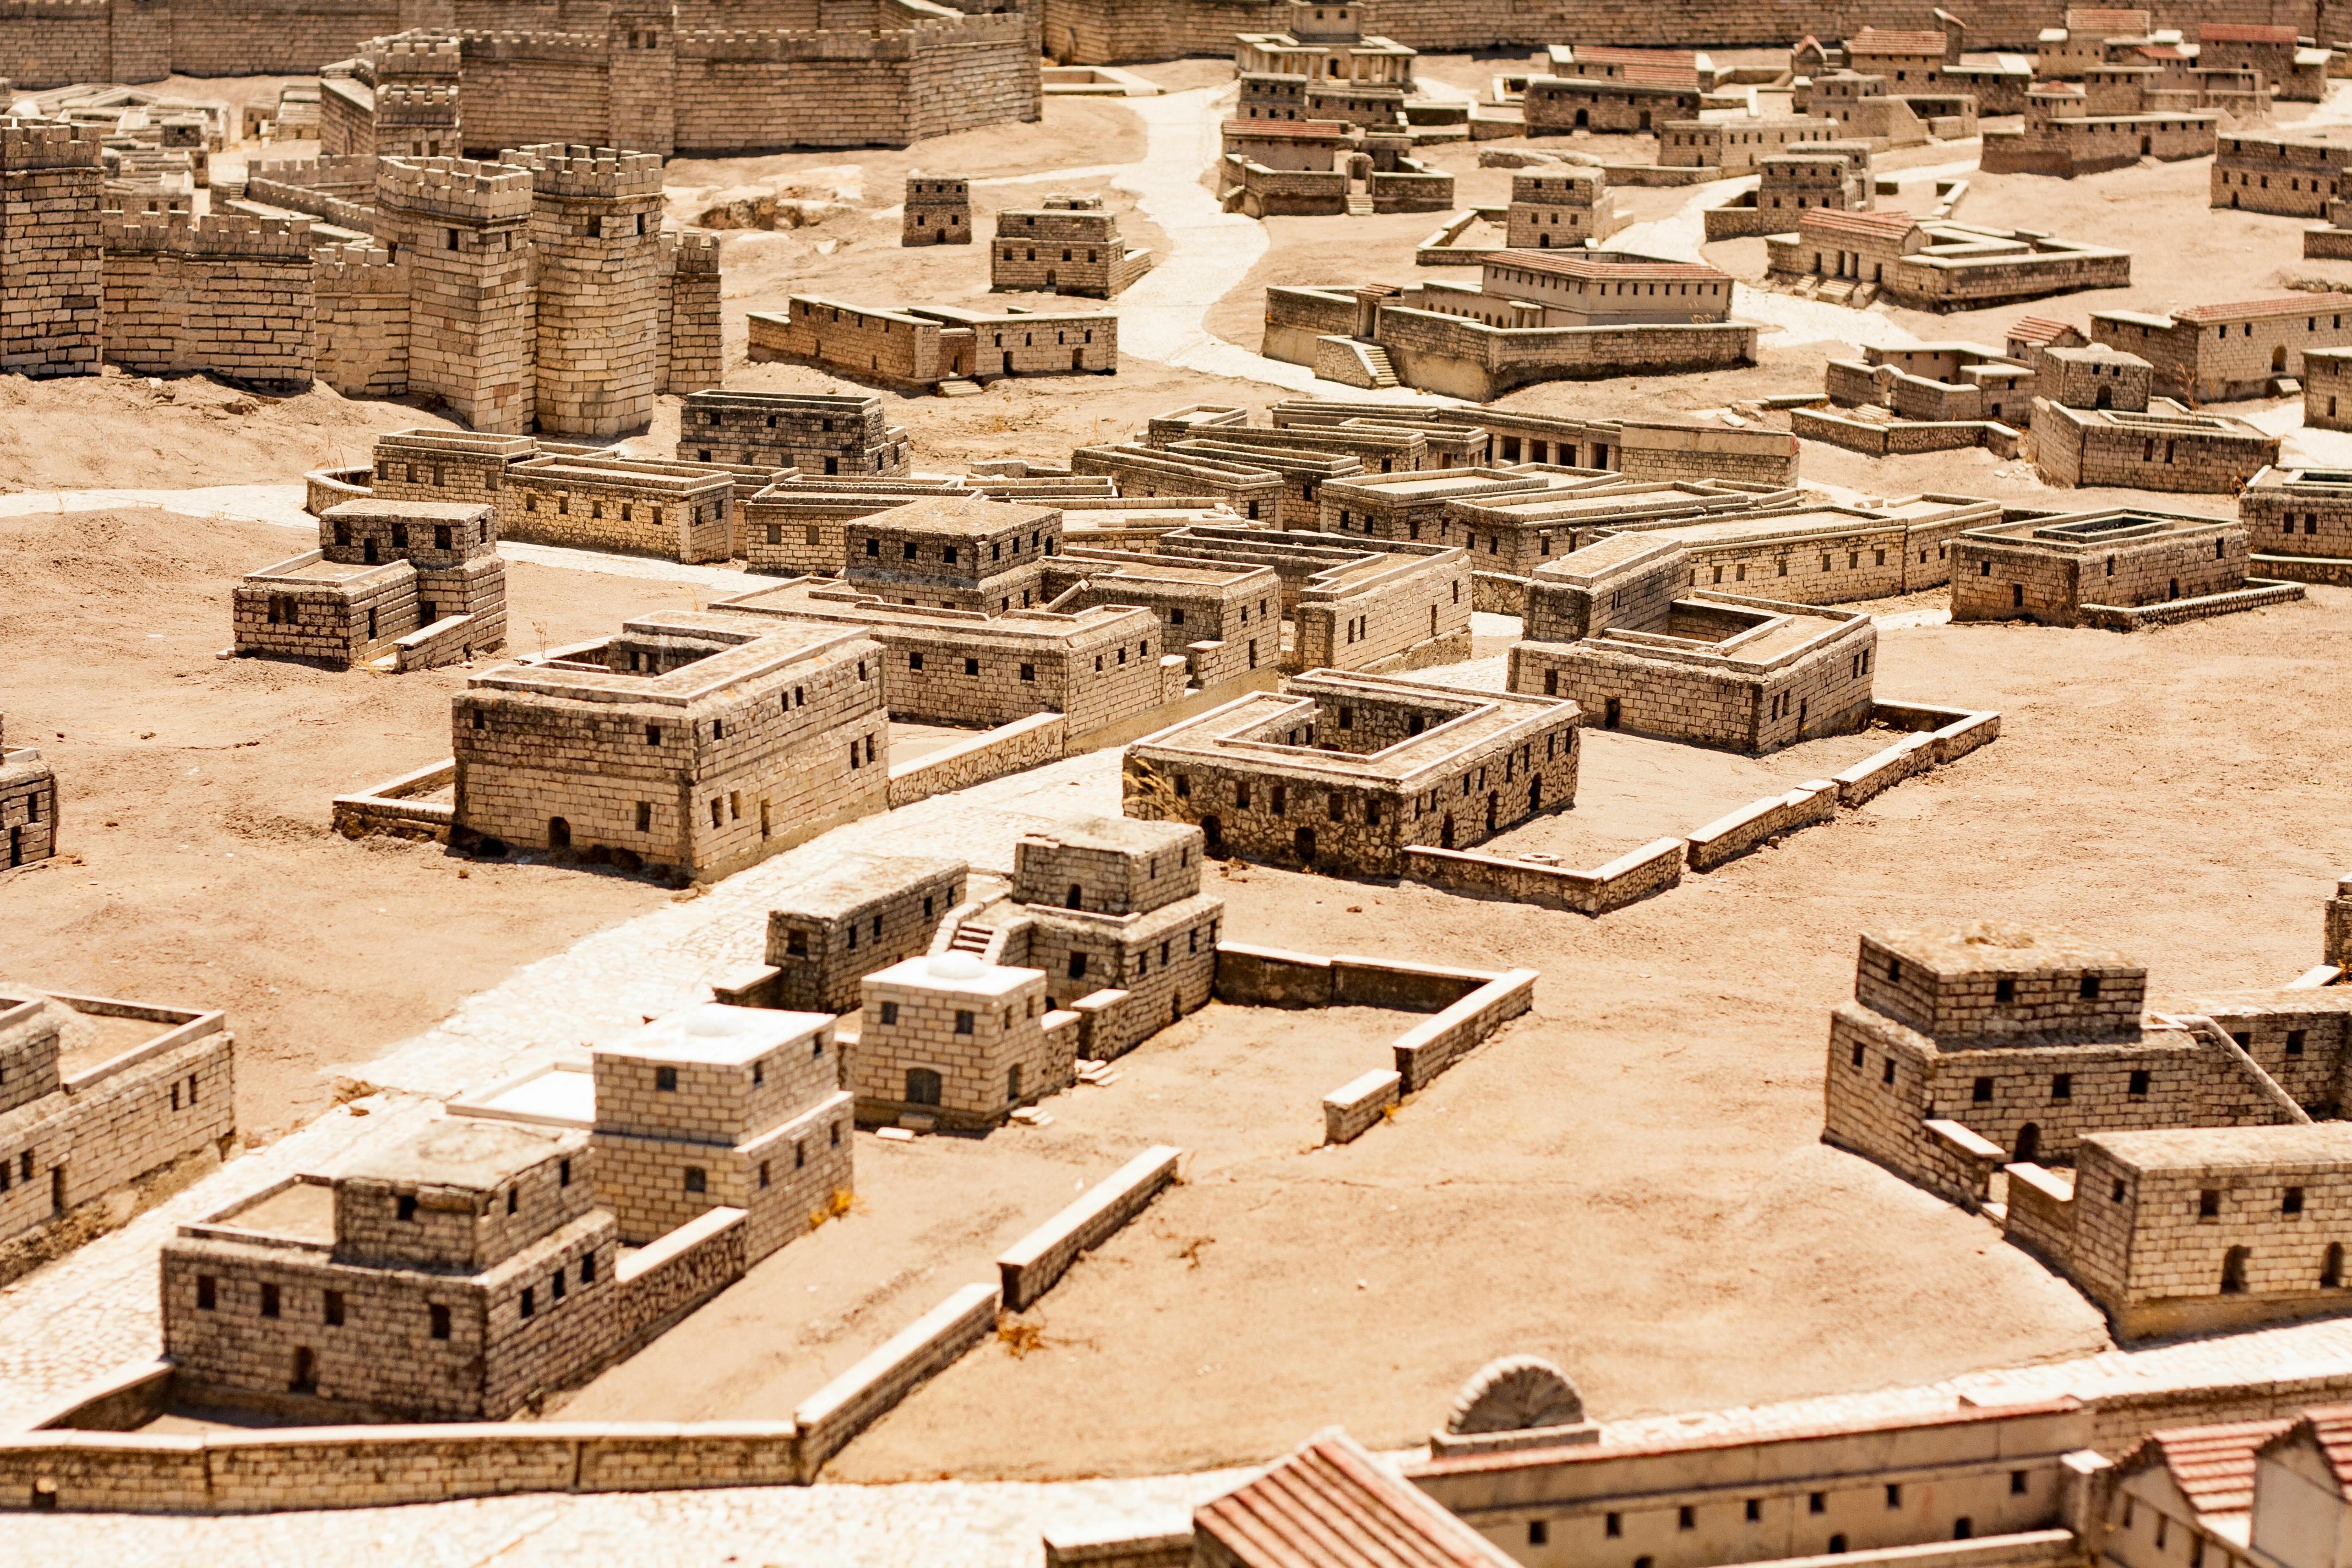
[325, 487]
[834, 1413]
[660, 1284]
[1350, 1109]
[1734, 833]
[2257, 592]
[452, 639]
[1877, 774]
[1895, 437]
[1629, 879]
[1031, 1266]
[1024, 743]
[2331, 570]
[1427, 1049]
[390, 807]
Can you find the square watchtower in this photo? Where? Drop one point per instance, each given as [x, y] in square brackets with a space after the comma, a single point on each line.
[596, 237]
[723, 1107]
[464, 227]
[939, 211]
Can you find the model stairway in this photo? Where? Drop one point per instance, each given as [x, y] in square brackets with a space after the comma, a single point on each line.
[1383, 369]
[972, 937]
[1358, 205]
[1836, 290]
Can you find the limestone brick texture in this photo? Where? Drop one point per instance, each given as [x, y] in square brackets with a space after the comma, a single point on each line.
[1098, 667]
[1342, 772]
[2166, 448]
[445, 465]
[360, 311]
[827, 933]
[938, 211]
[80, 1122]
[959, 552]
[2327, 389]
[1609, 631]
[689, 314]
[28, 807]
[2186, 1229]
[2095, 376]
[1558, 209]
[458, 1274]
[52, 294]
[700, 751]
[677, 511]
[843, 434]
[957, 1040]
[231, 295]
[1069, 246]
[465, 229]
[421, 580]
[720, 1106]
[2206, 353]
[2047, 569]
[2299, 524]
[2289, 174]
[1556, 105]
[1202, 605]
[596, 239]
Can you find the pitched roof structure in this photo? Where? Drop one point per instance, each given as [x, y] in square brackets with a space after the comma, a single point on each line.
[1609, 265]
[1894, 41]
[2253, 310]
[2213, 1467]
[1332, 1505]
[2243, 33]
[2330, 1428]
[1894, 225]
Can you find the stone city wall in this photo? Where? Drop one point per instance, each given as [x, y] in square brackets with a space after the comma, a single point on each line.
[230, 295]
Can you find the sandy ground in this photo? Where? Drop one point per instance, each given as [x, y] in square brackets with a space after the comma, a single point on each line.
[1628, 1181]
[199, 869]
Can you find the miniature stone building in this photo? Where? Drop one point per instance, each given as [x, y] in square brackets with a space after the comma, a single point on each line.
[1323, 43]
[701, 746]
[959, 552]
[950, 1040]
[456, 1274]
[417, 583]
[1936, 264]
[1612, 627]
[2070, 131]
[1538, 316]
[1204, 606]
[1324, 166]
[29, 804]
[1069, 246]
[2327, 389]
[102, 1101]
[828, 933]
[938, 211]
[926, 345]
[1110, 911]
[2294, 68]
[677, 511]
[2299, 524]
[595, 242]
[1560, 209]
[719, 1107]
[819, 434]
[2165, 447]
[1558, 106]
[1737, 146]
[2096, 375]
[1936, 382]
[1835, 175]
[2065, 570]
[2205, 354]
[1349, 607]
[2291, 173]
[2194, 1229]
[50, 197]
[1961, 1051]
[1340, 772]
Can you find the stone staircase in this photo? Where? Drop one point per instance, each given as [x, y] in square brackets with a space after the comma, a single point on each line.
[1359, 204]
[972, 937]
[1384, 368]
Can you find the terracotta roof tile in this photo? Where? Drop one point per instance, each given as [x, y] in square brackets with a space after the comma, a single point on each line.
[1332, 1505]
[1870, 225]
[1609, 264]
[2039, 330]
[2251, 310]
[2242, 33]
[1894, 41]
[2331, 1427]
[2212, 1466]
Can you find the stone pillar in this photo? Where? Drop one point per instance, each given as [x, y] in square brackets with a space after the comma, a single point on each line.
[595, 231]
[52, 291]
[464, 229]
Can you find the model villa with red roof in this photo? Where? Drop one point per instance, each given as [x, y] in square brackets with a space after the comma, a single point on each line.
[2206, 353]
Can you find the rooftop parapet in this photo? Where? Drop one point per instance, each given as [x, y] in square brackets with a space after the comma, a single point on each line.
[1993, 981]
[26, 144]
[691, 249]
[587, 173]
[415, 57]
[464, 188]
[222, 234]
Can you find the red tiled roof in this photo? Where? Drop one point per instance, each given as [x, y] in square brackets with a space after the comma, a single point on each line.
[2331, 1427]
[2161, 51]
[2254, 309]
[2242, 33]
[1894, 41]
[1601, 54]
[2091, 19]
[1866, 225]
[2212, 1466]
[2039, 330]
[1331, 1505]
[1607, 264]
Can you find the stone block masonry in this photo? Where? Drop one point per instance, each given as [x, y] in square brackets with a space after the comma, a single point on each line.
[938, 211]
[465, 229]
[1032, 1265]
[2058, 570]
[230, 295]
[75, 1139]
[28, 807]
[595, 240]
[51, 291]
[2299, 524]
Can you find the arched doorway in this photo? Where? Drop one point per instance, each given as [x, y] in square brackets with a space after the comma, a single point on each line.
[1535, 795]
[2233, 1272]
[559, 833]
[1494, 810]
[1303, 842]
[922, 1087]
[306, 1372]
[2029, 1143]
[1213, 833]
[1446, 832]
[2105, 398]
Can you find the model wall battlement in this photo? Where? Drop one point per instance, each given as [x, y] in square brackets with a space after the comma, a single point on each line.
[464, 188]
[692, 250]
[230, 235]
[588, 174]
[28, 144]
[419, 56]
[500, 44]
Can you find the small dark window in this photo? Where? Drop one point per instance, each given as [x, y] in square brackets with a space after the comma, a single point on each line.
[1817, 1502]
[2292, 1201]
[2004, 991]
[2139, 1083]
[2090, 988]
[2294, 1042]
[1895, 1494]
[334, 1308]
[408, 1208]
[1613, 1526]
[1982, 1092]
[696, 1181]
[529, 1301]
[588, 1269]
[666, 1079]
[440, 1321]
[2062, 1086]
[207, 1296]
[2208, 1204]
[563, 1174]
[1539, 1532]
[2017, 1483]
[1686, 1518]
[1755, 1509]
